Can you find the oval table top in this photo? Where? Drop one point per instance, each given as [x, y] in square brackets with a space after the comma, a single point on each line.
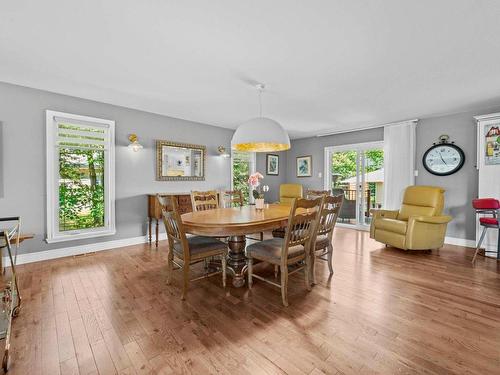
[235, 221]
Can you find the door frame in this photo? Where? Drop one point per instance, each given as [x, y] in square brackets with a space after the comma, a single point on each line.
[360, 177]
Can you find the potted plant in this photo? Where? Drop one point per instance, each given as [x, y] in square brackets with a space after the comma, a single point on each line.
[258, 190]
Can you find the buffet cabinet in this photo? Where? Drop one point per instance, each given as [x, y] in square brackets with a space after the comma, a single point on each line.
[154, 211]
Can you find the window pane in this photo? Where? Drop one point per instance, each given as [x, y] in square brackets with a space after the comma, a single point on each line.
[81, 189]
[242, 168]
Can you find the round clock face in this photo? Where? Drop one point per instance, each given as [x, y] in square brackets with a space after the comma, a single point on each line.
[443, 159]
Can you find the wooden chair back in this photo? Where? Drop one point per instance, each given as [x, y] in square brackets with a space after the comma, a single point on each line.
[302, 223]
[329, 214]
[312, 194]
[173, 224]
[204, 200]
[232, 198]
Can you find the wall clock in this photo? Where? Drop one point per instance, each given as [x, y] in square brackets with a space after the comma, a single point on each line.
[443, 158]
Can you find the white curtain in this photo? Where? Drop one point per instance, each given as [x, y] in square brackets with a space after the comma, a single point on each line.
[399, 161]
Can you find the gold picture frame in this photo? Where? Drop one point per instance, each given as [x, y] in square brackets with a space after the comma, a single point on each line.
[190, 164]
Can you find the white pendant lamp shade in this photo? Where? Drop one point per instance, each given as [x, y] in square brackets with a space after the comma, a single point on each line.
[260, 134]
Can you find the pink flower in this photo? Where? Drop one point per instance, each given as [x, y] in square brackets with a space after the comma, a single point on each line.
[253, 179]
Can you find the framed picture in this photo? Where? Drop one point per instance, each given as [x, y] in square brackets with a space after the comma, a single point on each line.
[273, 164]
[180, 161]
[304, 166]
[492, 143]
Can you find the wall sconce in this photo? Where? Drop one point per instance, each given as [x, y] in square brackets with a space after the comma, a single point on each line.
[134, 144]
[222, 152]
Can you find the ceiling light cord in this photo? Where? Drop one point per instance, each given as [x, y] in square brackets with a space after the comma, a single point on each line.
[260, 88]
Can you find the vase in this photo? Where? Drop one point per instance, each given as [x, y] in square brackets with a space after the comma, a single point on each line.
[259, 203]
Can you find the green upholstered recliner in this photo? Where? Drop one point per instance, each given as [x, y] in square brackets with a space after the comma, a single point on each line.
[418, 225]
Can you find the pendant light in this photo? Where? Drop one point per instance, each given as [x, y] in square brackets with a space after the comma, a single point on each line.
[260, 134]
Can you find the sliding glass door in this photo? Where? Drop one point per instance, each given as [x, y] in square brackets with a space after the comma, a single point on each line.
[357, 172]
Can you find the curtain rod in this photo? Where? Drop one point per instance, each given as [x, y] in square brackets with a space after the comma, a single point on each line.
[365, 128]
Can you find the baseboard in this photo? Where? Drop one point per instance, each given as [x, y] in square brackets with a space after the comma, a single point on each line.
[78, 250]
[460, 242]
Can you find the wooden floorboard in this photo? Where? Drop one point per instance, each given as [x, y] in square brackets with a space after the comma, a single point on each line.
[384, 311]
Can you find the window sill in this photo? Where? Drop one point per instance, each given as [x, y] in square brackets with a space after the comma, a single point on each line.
[80, 236]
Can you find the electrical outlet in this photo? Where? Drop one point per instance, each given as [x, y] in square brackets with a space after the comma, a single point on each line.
[320, 174]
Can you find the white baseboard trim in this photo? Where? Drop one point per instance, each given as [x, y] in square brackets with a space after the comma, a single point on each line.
[78, 250]
[460, 242]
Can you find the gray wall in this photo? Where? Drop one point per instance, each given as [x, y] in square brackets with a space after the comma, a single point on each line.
[274, 182]
[22, 114]
[22, 111]
[315, 146]
[462, 186]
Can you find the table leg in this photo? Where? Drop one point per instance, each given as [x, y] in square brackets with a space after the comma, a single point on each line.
[150, 221]
[237, 261]
[157, 230]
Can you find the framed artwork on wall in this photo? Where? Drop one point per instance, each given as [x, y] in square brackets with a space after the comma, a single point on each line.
[180, 161]
[304, 166]
[492, 143]
[272, 164]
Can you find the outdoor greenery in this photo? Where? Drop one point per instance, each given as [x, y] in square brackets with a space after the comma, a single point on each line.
[344, 167]
[81, 189]
[344, 163]
[241, 172]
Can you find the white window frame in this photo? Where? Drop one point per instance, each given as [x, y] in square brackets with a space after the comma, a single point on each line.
[53, 234]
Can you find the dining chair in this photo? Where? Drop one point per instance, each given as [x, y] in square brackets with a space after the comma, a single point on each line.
[189, 250]
[232, 198]
[204, 200]
[293, 249]
[312, 194]
[323, 238]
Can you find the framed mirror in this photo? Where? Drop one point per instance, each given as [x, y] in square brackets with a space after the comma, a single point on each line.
[180, 161]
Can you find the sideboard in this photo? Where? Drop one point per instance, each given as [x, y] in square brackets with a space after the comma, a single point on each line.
[154, 211]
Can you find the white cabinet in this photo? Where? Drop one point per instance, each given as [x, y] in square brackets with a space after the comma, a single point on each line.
[488, 164]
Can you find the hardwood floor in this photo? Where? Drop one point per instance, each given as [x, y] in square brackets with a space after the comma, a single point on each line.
[384, 311]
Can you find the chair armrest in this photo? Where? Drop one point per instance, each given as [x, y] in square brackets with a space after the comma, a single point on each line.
[443, 219]
[390, 214]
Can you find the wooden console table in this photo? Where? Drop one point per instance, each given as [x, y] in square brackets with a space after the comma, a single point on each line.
[154, 211]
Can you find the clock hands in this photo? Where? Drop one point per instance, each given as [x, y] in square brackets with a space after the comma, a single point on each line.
[441, 156]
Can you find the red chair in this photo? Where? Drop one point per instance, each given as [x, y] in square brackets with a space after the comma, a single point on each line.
[487, 206]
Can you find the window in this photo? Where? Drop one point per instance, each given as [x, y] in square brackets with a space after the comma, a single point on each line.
[242, 166]
[80, 177]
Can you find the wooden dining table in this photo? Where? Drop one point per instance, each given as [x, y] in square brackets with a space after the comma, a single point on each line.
[235, 223]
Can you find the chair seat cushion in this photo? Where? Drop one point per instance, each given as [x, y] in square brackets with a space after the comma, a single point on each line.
[391, 225]
[199, 245]
[488, 221]
[321, 242]
[271, 250]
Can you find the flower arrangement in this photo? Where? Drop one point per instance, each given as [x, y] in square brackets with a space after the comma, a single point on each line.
[258, 190]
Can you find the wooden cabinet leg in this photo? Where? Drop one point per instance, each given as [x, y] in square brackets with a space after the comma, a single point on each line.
[150, 221]
[157, 230]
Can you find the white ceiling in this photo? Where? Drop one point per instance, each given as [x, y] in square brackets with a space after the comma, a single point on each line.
[329, 65]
